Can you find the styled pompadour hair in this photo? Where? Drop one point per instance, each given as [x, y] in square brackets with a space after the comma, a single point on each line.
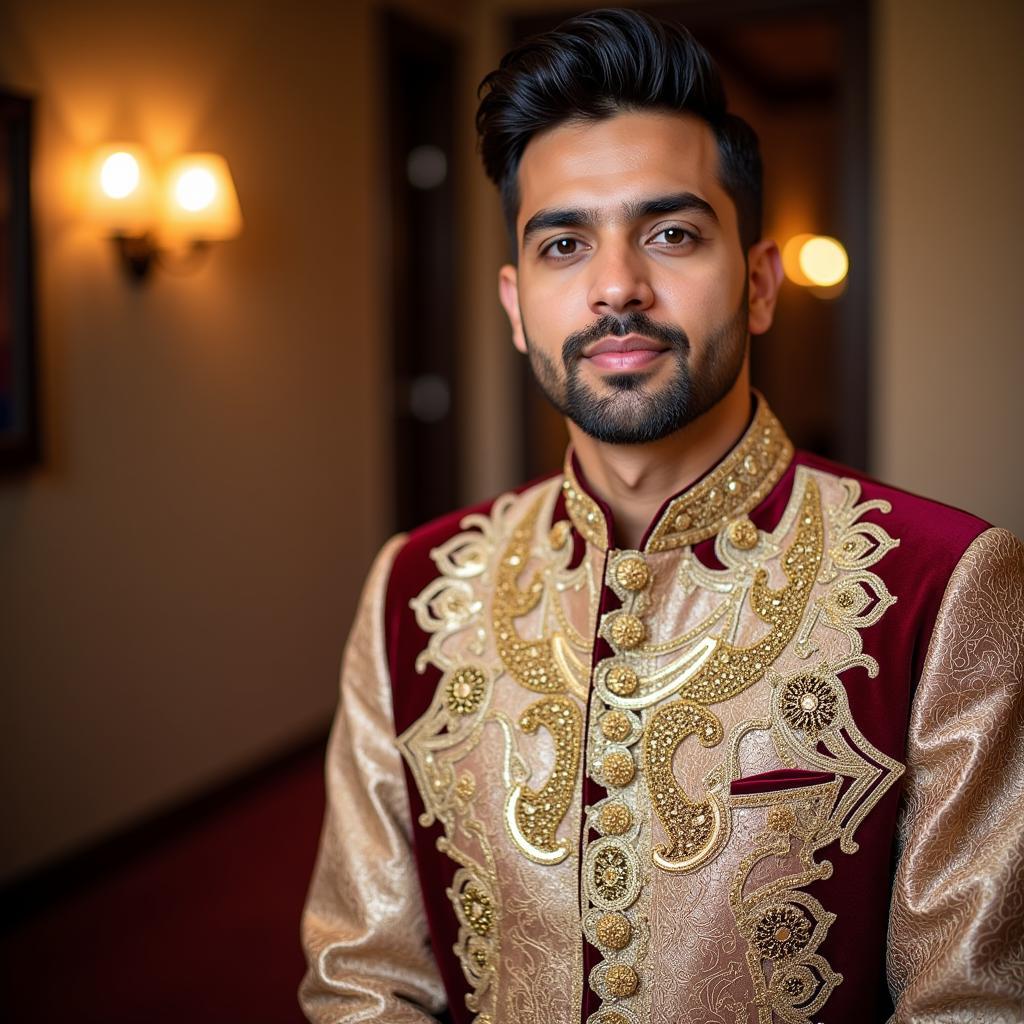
[604, 63]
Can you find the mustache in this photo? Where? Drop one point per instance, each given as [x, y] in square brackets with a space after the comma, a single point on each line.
[618, 327]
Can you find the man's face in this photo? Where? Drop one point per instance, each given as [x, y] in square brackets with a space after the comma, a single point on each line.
[630, 297]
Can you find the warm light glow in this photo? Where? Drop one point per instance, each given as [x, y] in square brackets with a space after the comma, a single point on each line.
[815, 261]
[118, 195]
[201, 204]
[119, 175]
[195, 189]
[824, 261]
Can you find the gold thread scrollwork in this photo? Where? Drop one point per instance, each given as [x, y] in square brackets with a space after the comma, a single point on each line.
[697, 829]
[533, 816]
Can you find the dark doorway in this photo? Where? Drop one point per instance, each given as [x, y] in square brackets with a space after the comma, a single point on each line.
[420, 69]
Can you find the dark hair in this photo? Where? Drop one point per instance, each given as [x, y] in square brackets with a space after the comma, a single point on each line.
[600, 64]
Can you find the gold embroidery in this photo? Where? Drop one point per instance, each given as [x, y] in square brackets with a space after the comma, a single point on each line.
[733, 668]
[465, 690]
[738, 484]
[695, 828]
[533, 816]
[781, 924]
[584, 512]
[531, 662]
[611, 874]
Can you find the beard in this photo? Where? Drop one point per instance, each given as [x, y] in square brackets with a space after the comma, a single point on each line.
[632, 411]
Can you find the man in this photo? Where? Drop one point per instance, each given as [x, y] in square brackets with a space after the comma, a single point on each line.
[704, 729]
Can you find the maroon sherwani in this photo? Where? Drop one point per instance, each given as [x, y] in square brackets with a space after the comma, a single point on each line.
[768, 767]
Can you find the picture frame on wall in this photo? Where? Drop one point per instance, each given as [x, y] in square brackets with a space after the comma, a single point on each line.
[19, 440]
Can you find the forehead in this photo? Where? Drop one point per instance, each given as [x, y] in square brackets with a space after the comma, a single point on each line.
[601, 164]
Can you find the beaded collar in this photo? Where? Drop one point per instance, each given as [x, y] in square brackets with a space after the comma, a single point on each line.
[737, 485]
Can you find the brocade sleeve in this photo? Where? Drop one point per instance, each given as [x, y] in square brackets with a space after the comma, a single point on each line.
[956, 927]
[363, 929]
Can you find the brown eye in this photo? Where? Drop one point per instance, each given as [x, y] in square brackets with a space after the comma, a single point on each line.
[674, 236]
[565, 246]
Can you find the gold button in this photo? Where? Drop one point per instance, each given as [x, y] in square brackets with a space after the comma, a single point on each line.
[627, 631]
[615, 819]
[614, 931]
[615, 726]
[622, 680]
[743, 534]
[621, 980]
[618, 768]
[632, 573]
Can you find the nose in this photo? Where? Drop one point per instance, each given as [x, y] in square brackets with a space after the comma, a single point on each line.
[619, 282]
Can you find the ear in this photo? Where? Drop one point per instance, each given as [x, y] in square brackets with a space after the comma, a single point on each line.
[508, 292]
[764, 278]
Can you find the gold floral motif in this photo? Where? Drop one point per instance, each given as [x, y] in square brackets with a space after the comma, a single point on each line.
[476, 905]
[695, 828]
[615, 726]
[618, 768]
[737, 485]
[632, 573]
[611, 874]
[809, 704]
[535, 814]
[621, 981]
[613, 931]
[615, 819]
[465, 689]
[783, 931]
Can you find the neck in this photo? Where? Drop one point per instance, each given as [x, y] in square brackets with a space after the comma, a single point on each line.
[635, 480]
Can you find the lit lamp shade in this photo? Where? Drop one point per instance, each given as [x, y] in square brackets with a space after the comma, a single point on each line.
[119, 195]
[200, 202]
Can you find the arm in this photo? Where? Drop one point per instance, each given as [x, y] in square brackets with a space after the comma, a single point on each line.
[363, 929]
[956, 928]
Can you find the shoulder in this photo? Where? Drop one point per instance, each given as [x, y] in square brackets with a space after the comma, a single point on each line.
[922, 525]
[414, 565]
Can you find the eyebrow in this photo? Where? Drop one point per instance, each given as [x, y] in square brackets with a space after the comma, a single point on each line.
[579, 217]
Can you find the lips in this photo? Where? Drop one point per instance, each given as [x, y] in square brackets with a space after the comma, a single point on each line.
[633, 352]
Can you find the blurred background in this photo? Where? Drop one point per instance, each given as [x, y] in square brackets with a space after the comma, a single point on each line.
[217, 450]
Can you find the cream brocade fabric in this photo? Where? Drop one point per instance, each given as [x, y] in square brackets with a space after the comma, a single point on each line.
[363, 929]
[694, 896]
[956, 928]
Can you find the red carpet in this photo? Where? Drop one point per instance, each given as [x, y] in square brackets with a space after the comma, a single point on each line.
[202, 927]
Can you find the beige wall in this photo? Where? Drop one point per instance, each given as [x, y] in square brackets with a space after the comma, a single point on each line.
[178, 577]
[949, 333]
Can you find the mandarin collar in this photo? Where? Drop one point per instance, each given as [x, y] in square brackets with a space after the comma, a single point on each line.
[730, 490]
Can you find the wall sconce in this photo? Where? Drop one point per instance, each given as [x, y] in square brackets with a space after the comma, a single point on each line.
[817, 262]
[193, 204]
